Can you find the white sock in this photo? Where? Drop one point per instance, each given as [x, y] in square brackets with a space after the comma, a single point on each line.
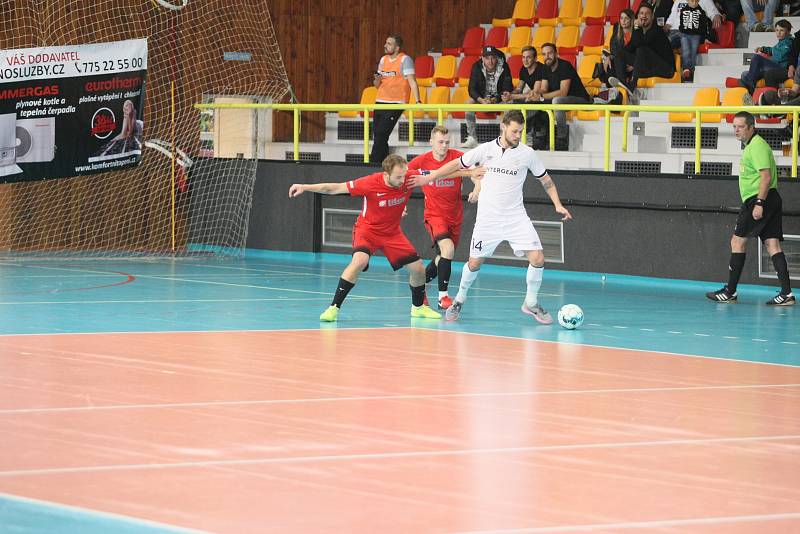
[442, 294]
[534, 280]
[467, 277]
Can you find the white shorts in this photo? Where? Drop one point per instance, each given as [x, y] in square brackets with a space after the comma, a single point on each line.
[518, 231]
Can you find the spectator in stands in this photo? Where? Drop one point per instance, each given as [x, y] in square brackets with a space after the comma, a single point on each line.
[529, 91]
[395, 80]
[671, 27]
[489, 79]
[781, 97]
[618, 61]
[777, 76]
[561, 85]
[653, 53]
[778, 56]
[661, 10]
[731, 9]
[692, 28]
[767, 6]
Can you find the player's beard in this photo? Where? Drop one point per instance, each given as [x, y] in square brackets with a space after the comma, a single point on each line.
[509, 143]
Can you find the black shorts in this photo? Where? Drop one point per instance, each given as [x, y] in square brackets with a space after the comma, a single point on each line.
[770, 226]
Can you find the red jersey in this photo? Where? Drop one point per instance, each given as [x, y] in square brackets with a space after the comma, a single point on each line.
[383, 205]
[443, 197]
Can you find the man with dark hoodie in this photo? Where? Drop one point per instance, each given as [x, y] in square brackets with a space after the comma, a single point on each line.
[489, 79]
[654, 56]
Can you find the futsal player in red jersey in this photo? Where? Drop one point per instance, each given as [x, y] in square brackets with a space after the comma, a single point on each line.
[443, 208]
[377, 228]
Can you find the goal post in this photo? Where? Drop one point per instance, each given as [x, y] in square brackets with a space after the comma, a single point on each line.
[180, 197]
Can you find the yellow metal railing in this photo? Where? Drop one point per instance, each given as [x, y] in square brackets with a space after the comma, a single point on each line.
[442, 109]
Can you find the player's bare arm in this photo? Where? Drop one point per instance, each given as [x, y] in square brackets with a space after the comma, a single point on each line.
[472, 198]
[445, 170]
[763, 191]
[552, 192]
[323, 189]
[474, 173]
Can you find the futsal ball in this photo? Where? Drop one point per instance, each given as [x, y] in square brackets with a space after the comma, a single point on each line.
[570, 316]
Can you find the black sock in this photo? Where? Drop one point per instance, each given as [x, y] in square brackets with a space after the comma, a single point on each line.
[430, 271]
[782, 268]
[735, 267]
[445, 266]
[341, 292]
[417, 295]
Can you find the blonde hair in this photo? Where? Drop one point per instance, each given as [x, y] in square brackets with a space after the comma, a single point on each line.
[392, 161]
[439, 129]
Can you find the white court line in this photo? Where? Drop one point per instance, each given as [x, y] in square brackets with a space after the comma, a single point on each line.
[658, 523]
[651, 351]
[334, 327]
[208, 282]
[195, 332]
[325, 297]
[389, 279]
[179, 301]
[421, 396]
[391, 455]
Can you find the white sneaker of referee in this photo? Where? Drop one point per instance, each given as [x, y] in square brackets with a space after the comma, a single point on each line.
[501, 212]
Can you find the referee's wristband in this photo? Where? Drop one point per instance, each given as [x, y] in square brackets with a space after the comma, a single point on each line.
[759, 202]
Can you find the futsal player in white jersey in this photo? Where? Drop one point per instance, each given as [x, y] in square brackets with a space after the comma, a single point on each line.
[501, 213]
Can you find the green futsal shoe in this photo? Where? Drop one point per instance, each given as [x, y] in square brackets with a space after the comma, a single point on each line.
[424, 312]
[330, 314]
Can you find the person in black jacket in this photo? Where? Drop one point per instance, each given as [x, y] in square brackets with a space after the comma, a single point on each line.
[661, 10]
[654, 56]
[489, 79]
[618, 61]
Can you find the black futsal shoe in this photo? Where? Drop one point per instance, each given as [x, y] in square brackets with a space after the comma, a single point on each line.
[723, 295]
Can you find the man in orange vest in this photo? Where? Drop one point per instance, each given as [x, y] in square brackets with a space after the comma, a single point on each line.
[395, 81]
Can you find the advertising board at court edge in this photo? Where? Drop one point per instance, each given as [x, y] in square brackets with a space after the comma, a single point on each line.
[71, 110]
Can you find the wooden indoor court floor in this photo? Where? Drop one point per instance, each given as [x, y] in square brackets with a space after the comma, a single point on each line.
[373, 429]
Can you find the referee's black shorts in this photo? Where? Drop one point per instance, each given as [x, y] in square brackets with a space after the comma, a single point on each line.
[770, 226]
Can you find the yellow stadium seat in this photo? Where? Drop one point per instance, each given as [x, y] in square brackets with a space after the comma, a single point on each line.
[524, 10]
[520, 38]
[544, 34]
[459, 96]
[676, 78]
[587, 115]
[595, 9]
[368, 96]
[445, 71]
[586, 69]
[438, 95]
[570, 13]
[705, 96]
[567, 41]
[423, 96]
[733, 97]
